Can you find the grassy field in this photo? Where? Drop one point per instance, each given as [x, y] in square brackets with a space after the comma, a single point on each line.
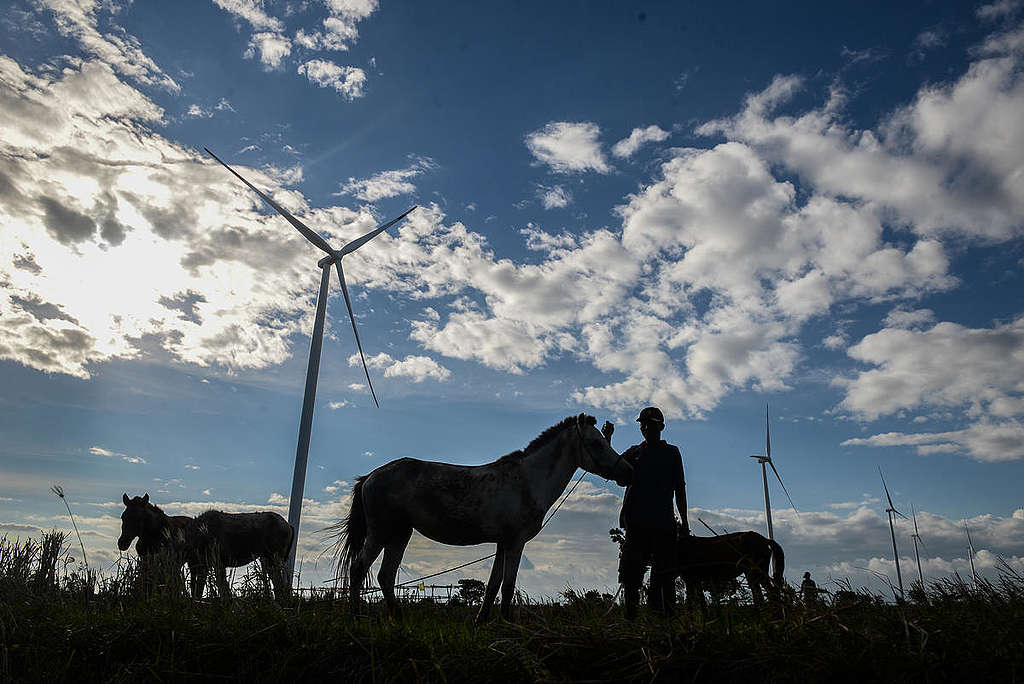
[57, 623]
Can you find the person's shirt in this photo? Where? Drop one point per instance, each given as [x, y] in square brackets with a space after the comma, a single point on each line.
[808, 586]
[657, 473]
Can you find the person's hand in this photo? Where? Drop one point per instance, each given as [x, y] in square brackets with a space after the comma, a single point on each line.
[607, 429]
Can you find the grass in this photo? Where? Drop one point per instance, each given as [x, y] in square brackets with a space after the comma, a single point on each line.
[58, 622]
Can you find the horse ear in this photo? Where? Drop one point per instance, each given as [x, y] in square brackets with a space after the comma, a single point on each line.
[145, 499]
[124, 497]
[581, 420]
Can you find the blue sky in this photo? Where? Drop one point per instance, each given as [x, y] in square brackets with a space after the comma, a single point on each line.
[704, 208]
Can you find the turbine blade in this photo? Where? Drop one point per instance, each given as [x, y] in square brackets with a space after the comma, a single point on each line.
[306, 231]
[359, 242]
[352, 317]
[913, 512]
[886, 490]
[779, 478]
[969, 542]
[767, 436]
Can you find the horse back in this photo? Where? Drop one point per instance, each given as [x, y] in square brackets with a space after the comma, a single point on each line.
[240, 538]
[725, 555]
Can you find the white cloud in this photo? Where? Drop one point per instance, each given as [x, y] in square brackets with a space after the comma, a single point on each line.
[998, 9]
[947, 365]
[119, 50]
[100, 451]
[252, 12]
[417, 368]
[554, 197]
[568, 147]
[951, 177]
[391, 183]
[348, 80]
[272, 48]
[627, 147]
[335, 405]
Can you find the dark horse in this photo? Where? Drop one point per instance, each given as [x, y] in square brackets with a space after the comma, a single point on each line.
[212, 541]
[502, 502]
[721, 559]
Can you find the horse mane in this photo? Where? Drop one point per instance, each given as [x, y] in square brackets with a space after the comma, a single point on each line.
[543, 438]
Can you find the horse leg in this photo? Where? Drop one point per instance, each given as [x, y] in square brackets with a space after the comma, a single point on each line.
[493, 582]
[360, 566]
[393, 552]
[221, 573]
[197, 578]
[508, 580]
[754, 583]
[276, 569]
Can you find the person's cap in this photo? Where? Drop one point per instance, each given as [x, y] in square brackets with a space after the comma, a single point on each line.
[807, 574]
[651, 414]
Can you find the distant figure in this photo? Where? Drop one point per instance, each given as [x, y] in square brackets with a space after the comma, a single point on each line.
[647, 515]
[808, 590]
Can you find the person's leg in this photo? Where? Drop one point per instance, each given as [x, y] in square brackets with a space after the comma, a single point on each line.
[631, 573]
[662, 571]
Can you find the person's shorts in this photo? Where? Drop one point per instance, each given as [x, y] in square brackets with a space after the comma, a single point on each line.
[643, 547]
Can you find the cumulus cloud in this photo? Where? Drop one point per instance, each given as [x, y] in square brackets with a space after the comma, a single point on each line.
[416, 368]
[567, 147]
[554, 197]
[271, 48]
[391, 183]
[347, 80]
[627, 147]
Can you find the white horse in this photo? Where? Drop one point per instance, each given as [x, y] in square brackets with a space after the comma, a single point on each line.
[502, 502]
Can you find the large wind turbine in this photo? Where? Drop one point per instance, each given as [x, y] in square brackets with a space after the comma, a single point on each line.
[767, 459]
[891, 512]
[333, 258]
[917, 540]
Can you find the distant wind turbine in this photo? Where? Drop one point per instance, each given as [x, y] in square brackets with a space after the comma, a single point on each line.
[333, 258]
[892, 512]
[767, 459]
[917, 540]
[970, 552]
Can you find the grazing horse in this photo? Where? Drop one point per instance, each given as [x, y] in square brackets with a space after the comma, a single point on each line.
[157, 532]
[724, 558]
[217, 541]
[214, 541]
[502, 502]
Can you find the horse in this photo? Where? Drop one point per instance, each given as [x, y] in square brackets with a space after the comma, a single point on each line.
[158, 534]
[214, 540]
[217, 540]
[724, 558]
[503, 502]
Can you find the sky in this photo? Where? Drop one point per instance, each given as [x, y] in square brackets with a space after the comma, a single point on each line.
[817, 208]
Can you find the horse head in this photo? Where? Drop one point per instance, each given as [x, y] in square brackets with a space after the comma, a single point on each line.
[596, 454]
[133, 520]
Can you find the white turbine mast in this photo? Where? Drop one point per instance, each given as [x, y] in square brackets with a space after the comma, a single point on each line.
[917, 540]
[892, 512]
[970, 552]
[767, 459]
[333, 258]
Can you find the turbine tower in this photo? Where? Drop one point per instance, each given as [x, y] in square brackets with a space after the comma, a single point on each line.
[970, 552]
[917, 540]
[892, 512]
[767, 459]
[333, 258]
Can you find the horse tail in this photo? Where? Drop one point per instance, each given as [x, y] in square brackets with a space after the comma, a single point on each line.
[780, 561]
[350, 532]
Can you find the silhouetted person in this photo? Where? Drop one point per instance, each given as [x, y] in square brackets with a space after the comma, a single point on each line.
[647, 514]
[808, 589]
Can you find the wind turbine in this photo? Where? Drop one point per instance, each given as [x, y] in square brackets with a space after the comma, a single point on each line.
[767, 459]
[970, 552]
[917, 540]
[333, 258]
[891, 511]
